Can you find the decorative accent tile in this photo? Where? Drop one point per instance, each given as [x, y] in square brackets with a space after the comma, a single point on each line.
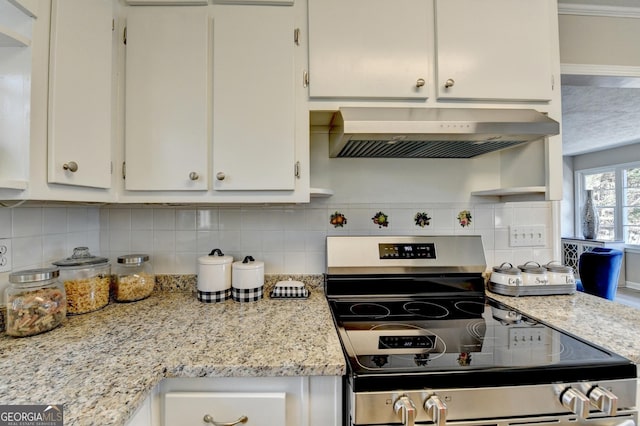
[422, 219]
[338, 220]
[381, 219]
[464, 218]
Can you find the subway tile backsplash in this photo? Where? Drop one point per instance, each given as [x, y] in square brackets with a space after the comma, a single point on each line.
[289, 239]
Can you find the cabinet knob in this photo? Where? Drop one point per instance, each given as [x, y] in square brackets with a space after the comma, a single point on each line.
[449, 83]
[208, 419]
[220, 176]
[72, 166]
[194, 176]
[420, 82]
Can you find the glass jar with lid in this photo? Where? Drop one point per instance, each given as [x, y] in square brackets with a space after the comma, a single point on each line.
[134, 278]
[86, 279]
[35, 302]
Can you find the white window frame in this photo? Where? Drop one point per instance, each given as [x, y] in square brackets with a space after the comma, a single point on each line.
[580, 193]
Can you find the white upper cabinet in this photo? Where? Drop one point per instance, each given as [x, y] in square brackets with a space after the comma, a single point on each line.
[494, 50]
[370, 48]
[253, 98]
[80, 93]
[167, 86]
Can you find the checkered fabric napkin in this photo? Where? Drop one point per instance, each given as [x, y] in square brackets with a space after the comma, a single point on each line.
[247, 294]
[289, 292]
[214, 296]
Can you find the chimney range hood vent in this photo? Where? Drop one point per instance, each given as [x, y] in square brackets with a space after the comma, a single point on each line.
[433, 132]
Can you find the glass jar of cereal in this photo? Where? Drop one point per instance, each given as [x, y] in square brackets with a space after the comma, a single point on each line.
[86, 281]
[35, 302]
[134, 278]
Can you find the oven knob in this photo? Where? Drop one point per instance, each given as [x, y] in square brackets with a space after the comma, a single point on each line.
[436, 409]
[574, 400]
[407, 410]
[604, 400]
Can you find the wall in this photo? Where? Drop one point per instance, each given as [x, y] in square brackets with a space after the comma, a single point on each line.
[615, 156]
[591, 40]
[289, 239]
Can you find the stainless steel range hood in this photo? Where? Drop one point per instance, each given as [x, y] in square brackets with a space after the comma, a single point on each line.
[433, 132]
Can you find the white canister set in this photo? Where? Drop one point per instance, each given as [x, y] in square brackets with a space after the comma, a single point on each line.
[533, 274]
[220, 278]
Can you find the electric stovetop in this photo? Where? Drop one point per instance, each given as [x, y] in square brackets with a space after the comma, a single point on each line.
[431, 342]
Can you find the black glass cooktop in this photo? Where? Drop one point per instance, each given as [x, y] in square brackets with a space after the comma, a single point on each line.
[431, 341]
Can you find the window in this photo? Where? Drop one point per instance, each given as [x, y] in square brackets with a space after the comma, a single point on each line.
[616, 195]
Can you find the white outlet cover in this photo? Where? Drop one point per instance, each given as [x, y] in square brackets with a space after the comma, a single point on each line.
[5, 255]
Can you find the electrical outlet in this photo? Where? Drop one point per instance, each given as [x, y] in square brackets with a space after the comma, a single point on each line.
[527, 236]
[527, 337]
[5, 255]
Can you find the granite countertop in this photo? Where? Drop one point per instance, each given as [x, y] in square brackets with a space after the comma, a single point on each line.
[611, 325]
[102, 365]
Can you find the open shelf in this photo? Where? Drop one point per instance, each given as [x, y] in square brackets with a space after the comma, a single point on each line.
[321, 192]
[520, 190]
[10, 38]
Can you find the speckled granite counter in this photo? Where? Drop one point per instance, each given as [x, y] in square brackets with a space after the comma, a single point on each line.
[102, 365]
[601, 321]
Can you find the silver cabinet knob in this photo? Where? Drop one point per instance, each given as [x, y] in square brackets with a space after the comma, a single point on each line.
[71, 166]
[220, 176]
[575, 401]
[420, 82]
[604, 400]
[436, 409]
[208, 419]
[194, 176]
[449, 83]
[407, 410]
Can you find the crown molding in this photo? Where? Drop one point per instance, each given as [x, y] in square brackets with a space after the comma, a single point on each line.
[605, 70]
[598, 10]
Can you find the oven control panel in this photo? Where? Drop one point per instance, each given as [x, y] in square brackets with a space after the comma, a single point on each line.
[407, 251]
[406, 342]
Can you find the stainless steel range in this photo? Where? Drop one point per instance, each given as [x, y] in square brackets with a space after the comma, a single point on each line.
[425, 346]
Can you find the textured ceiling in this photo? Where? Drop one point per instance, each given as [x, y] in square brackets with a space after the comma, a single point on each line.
[596, 117]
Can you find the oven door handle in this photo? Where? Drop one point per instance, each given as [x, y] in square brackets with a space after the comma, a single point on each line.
[407, 408]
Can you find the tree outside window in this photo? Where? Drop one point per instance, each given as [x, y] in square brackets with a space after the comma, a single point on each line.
[631, 215]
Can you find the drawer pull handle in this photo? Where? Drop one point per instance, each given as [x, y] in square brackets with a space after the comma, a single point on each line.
[208, 419]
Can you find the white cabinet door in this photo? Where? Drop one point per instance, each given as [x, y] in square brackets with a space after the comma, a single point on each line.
[167, 98]
[370, 48]
[190, 408]
[80, 93]
[494, 49]
[253, 98]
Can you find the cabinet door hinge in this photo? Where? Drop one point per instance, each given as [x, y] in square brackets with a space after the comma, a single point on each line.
[553, 82]
[124, 170]
[124, 36]
[296, 36]
[305, 78]
[296, 170]
[113, 24]
[110, 167]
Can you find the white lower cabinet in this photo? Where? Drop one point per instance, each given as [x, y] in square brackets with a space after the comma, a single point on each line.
[265, 401]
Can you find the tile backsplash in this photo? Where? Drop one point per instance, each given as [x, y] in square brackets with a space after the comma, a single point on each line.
[289, 239]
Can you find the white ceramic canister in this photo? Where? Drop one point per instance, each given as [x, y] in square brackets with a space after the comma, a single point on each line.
[533, 274]
[214, 277]
[247, 282]
[506, 274]
[560, 274]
